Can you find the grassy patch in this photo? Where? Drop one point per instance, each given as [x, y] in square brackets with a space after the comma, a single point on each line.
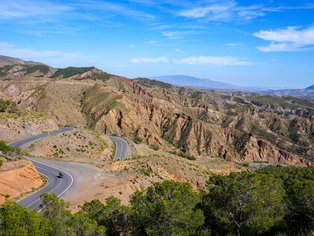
[183, 154]
[154, 146]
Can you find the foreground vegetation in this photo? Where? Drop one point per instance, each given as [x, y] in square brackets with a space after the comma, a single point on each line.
[270, 201]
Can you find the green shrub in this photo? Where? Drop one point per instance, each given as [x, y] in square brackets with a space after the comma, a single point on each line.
[70, 71]
[183, 154]
[154, 146]
[137, 139]
[33, 68]
[4, 147]
[8, 106]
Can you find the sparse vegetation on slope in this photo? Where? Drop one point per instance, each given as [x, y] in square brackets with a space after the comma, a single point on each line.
[202, 123]
[152, 83]
[70, 71]
[8, 106]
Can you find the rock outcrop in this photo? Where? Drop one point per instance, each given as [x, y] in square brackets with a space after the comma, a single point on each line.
[232, 126]
[18, 178]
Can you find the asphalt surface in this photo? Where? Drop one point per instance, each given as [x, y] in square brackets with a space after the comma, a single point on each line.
[55, 184]
[122, 147]
[39, 136]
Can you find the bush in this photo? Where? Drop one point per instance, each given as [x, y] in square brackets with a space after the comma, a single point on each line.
[154, 146]
[70, 71]
[4, 147]
[137, 139]
[183, 154]
[8, 106]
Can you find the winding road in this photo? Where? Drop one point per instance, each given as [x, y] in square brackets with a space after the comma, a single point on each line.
[122, 147]
[55, 184]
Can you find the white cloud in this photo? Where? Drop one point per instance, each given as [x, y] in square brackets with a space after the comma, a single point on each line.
[179, 34]
[230, 10]
[116, 8]
[149, 59]
[196, 60]
[213, 60]
[234, 45]
[171, 34]
[214, 11]
[52, 11]
[55, 58]
[153, 42]
[30, 8]
[288, 39]
[178, 50]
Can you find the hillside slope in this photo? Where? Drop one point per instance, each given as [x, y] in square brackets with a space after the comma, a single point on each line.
[18, 178]
[233, 126]
[17, 123]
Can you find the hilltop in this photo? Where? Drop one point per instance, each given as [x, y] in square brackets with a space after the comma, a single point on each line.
[240, 127]
[16, 68]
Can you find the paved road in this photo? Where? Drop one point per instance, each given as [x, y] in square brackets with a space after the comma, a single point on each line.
[55, 185]
[122, 147]
[39, 136]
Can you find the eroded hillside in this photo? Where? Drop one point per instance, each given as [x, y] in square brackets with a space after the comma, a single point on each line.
[17, 123]
[17, 178]
[236, 127]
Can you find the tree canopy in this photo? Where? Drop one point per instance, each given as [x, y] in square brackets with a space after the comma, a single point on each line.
[269, 201]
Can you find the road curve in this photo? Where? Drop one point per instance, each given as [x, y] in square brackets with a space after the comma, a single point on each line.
[55, 185]
[122, 147]
[39, 136]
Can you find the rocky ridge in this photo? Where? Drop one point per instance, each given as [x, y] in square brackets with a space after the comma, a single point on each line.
[234, 126]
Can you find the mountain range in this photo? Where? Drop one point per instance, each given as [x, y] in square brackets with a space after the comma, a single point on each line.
[234, 126]
[194, 82]
[310, 88]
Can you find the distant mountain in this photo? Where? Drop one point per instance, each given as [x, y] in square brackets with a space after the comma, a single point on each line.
[310, 88]
[229, 125]
[300, 93]
[5, 60]
[194, 82]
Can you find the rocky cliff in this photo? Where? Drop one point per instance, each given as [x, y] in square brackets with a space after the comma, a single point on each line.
[233, 126]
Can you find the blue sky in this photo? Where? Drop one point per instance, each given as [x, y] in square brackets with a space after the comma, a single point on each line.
[266, 43]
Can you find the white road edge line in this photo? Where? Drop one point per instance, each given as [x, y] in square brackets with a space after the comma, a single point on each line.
[36, 190]
[72, 180]
[47, 192]
[62, 192]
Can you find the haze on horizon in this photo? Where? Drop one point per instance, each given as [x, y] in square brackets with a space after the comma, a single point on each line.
[267, 44]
